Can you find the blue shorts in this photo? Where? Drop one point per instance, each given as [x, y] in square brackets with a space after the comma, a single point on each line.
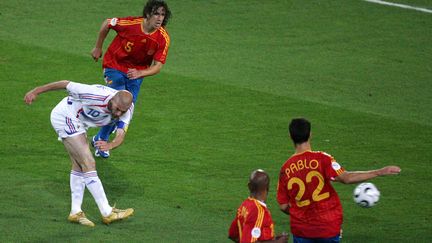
[119, 81]
[335, 239]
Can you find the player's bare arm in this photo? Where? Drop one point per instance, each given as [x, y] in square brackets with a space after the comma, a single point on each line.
[284, 208]
[103, 32]
[152, 70]
[390, 170]
[351, 177]
[282, 237]
[279, 239]
[117, 141]
[32, 94]
[234, 239]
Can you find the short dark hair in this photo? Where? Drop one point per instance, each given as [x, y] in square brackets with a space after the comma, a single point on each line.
[152, 6]
[299, 130]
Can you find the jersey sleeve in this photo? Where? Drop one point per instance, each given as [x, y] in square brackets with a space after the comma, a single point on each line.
[125, 119]
[75, 89]
[233, 232]
[164, 43]
[252, 226]
[332, 168]
[118, 24]
[282, 191]
[88, 94]
[112, 23]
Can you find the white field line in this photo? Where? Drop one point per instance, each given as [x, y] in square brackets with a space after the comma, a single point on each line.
[400, 5]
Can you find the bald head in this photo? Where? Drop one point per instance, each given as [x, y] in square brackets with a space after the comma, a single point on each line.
[120, 103]
[258, 181]
[123, 98]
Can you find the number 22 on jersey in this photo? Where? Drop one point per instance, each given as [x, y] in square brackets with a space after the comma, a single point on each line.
[316, 195]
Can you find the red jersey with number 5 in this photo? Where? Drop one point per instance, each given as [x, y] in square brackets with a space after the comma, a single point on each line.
[253, 222]
[132, 48]
[305, 185]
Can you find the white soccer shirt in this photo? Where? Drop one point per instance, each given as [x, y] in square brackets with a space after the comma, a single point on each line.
[89, 103]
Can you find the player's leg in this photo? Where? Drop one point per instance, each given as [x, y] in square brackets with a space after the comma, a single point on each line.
[77, 186]
[78, 149]
[116, 80]
[66, 127]
[134, 86]
[297, 239]
[335, 239]
[77, 179]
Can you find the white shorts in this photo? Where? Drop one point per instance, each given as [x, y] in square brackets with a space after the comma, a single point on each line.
[64, 120]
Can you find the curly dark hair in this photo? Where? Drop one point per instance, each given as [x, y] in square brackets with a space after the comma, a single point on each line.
[152, 6]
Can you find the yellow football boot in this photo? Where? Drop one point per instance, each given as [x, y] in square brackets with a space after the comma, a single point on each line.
[80, 218]
[117, 214]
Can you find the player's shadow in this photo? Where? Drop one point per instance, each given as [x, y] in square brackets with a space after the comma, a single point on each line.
[114, 180]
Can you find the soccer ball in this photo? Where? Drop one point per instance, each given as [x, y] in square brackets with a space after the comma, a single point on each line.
[366, 195]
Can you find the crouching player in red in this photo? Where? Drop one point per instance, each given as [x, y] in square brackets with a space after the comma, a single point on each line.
[253, 222]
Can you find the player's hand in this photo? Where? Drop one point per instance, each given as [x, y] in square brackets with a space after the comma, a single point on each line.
[103, 145]
[96, 53]
[132, 73]
[282, 238]
[390, 170]
[30, 97]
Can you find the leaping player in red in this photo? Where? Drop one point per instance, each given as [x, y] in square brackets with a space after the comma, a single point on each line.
[139, 50]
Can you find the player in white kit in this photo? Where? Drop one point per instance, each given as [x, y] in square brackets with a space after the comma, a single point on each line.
[88, 106]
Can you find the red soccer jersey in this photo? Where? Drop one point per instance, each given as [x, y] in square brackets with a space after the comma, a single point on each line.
[314, 206]
[253, 222]
[132, 48]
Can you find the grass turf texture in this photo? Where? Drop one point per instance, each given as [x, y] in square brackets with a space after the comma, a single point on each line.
[237, 72]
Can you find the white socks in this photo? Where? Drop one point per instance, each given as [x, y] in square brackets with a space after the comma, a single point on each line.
[94, 185]
[77, 187]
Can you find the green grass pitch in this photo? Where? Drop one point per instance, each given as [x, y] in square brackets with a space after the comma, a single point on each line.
[237, 72]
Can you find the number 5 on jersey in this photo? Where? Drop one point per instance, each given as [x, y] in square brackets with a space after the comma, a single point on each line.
[128, 46]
